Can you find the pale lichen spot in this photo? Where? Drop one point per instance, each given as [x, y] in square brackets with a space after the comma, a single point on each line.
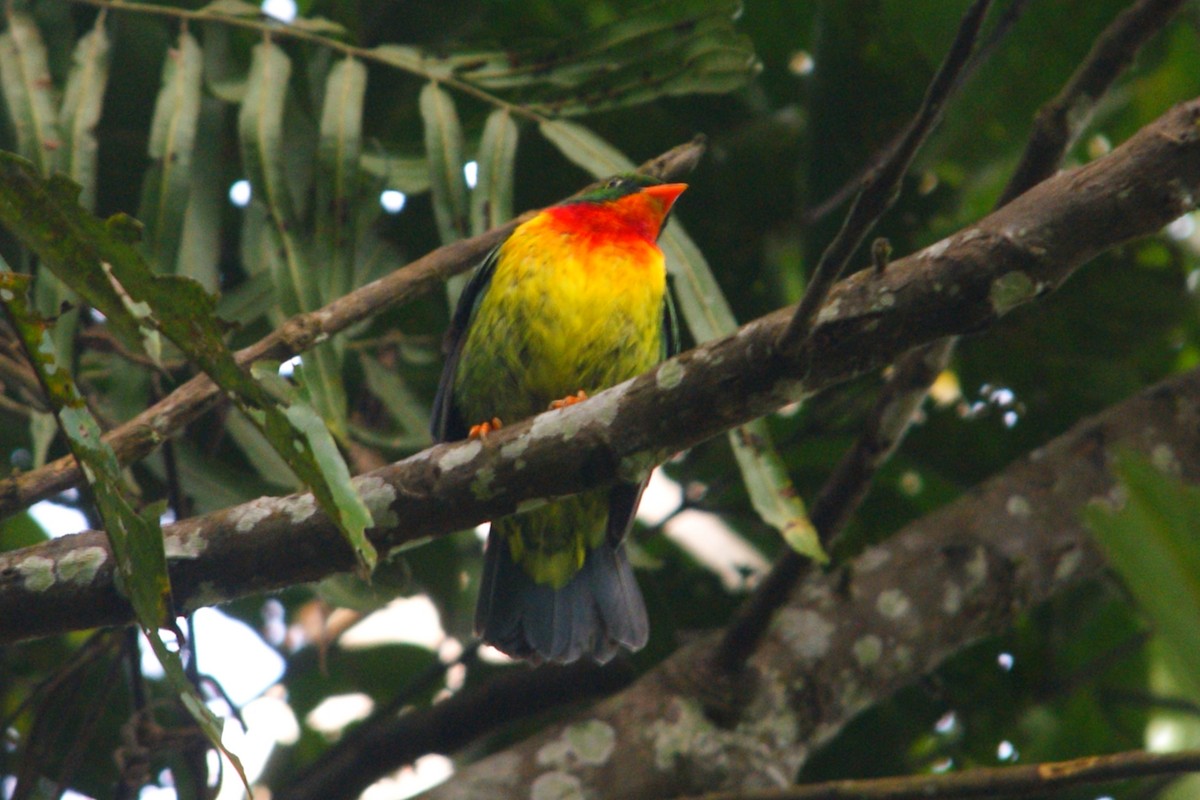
[1018, 506]
[1009, 291]
[458, 456]
[37, 573]
[952, 599]
[187, 544]
[805, 631]
[80, 566]
[299, 507]
[977, 567]
[1067, 565]
[248, 515]
[670, 374]
[936, 250]
[829, 311]
[867, 650]
[512, 451]
[885, 300]
[6, 295]
[556, 786]
[588, 743]
[892, 603]
[378, 496]
[684, 732]
[872, 559]
[481, 486]
[1163, 458]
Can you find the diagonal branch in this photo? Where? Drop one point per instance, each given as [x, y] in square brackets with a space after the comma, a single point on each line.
[961, 284]
[142, 435]
[882, 185]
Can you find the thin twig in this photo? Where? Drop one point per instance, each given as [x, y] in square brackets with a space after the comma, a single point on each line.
[883, 185]
[1025, 780]
[814, 214]
[909, 382]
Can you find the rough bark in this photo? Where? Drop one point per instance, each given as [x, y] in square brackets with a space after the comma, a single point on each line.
[959, 285]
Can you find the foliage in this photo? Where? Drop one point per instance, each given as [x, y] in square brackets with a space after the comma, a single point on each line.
[158, 110]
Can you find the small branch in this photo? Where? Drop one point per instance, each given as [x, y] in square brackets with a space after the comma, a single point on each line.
[814, 214]
[1020, 781]
[141, 435]
[1059, 122]
[883, 185]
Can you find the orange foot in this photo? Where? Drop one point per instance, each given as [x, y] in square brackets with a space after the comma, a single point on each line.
[481, 430]
[570, 400]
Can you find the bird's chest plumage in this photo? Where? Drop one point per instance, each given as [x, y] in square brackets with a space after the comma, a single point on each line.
[564, 311]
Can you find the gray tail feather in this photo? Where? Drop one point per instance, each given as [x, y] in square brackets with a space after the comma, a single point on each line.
[597, 612]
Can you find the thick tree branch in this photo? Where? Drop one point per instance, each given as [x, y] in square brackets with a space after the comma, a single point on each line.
[142, 435]
[961, 284]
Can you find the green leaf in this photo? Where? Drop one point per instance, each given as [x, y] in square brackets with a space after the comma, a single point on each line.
[29, 92]
[771, 491]
[261, 126]
[491, 199]
[444, 148]
[408, 174]
[708, 316]
[74, 244]
[81, 108]
[661, 49]
[136, 539]
[585, 149]
[167, 186]
[1150, 541]
[339, 153]
[199, 251]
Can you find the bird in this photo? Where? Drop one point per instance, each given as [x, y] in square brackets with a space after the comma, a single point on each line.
[573, 301]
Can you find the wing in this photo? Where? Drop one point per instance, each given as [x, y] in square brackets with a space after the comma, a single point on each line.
[446, 422]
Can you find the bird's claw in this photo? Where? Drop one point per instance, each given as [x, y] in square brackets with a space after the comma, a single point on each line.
[481, 430]
[570, 400]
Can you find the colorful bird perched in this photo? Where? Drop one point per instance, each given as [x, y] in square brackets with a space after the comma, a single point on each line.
[572, 302]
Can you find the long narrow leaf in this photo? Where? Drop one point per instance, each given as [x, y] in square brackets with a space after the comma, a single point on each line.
[339, 153]
[199, 252]
[167, 185]
[29, 92]
[708, 316]
[444, 147]
[491, 199]
[1151, 543]
[82, 103]
[136, 539]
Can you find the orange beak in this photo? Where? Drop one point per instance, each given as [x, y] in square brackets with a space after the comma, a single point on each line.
[665, 194]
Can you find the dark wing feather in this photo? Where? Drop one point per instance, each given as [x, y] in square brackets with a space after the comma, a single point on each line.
[446, 422]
